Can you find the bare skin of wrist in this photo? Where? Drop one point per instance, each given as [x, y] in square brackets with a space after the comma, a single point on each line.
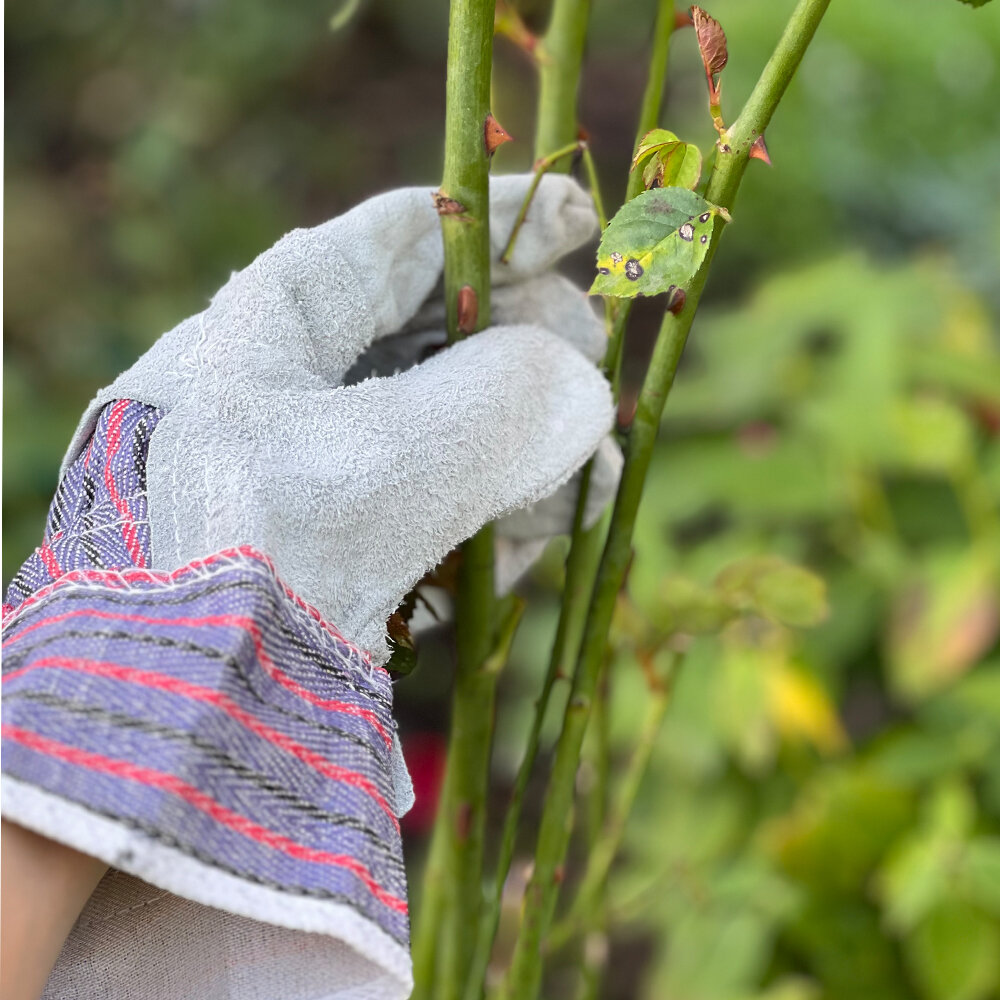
[44, 887]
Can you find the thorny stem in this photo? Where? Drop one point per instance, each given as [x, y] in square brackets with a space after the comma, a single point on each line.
[461, 811]
[560, 58]
[524, 975]
[585, 548]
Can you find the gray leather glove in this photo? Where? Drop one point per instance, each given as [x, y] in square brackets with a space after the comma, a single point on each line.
[356, 490]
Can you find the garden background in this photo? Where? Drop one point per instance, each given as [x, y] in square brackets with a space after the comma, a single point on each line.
[820, 817]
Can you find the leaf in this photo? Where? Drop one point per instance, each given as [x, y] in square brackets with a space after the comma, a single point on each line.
[975, 3]
[979, 877]
[801, 708]
[714, 54]
[672, 163]
[776, 589]
[711, 41]
[685, 606]
[655, 243]
[944, 618]
[954, 954]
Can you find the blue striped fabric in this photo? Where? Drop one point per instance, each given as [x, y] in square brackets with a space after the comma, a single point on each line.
[208, 709]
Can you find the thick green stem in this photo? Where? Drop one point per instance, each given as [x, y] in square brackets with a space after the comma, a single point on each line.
[524, 976]
[560, 58]
[461, 812]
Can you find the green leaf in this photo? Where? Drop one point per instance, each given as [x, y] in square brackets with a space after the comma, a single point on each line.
[945, 617]
[655, 243]
[954, 954]
[685, 606]
[979, 875]
[975, 3]
[672, 163]
[775, 588]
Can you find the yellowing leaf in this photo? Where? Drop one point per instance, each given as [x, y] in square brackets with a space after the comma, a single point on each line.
[803, 710]
[656, 243]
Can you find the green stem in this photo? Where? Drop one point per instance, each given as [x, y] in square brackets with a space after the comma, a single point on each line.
[461, 812]
[607, 846]
[560, 58]
[585, 546]
[524, 975]
[542, 167]
[427, 927]
[652, 98]
[595, 187]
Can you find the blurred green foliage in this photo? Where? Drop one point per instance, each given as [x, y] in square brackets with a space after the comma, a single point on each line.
[820, 539]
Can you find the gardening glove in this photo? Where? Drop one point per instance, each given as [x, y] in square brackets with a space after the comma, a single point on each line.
[192, 678]
[355, 491]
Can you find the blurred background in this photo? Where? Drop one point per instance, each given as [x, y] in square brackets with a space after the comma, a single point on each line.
[817, 558]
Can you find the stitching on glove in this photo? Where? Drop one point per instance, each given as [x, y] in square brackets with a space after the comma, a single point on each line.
[205, 568]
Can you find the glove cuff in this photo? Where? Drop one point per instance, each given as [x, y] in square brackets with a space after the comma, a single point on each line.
[205, 732]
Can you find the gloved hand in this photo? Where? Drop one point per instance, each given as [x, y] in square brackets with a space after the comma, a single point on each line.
[192, 682]
[356, 491]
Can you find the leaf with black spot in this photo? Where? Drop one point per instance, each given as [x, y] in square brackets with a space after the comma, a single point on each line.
[656, 243]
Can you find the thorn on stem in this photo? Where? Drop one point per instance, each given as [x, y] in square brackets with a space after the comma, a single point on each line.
[468, 309]
[677, 300]
[494, 134]
[758, 151]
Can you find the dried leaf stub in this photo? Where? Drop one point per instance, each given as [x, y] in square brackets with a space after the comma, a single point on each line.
[711, 41]
[468, 309]
[444, 205]
[758, 151]
[494, 134]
